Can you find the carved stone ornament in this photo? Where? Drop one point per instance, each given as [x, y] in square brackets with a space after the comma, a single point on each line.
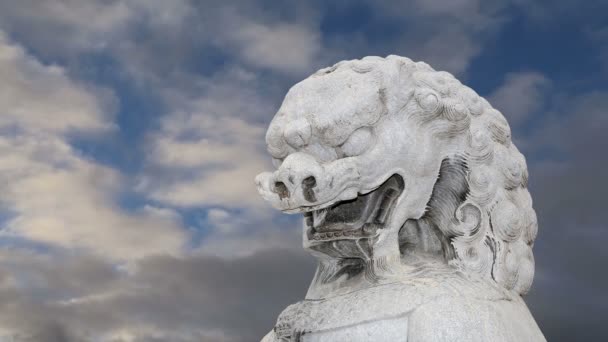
[415, 205]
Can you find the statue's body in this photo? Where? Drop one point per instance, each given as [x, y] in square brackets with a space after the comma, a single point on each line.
[415, 205]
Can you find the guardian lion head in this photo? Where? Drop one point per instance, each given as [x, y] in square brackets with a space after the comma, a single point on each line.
[388, 158]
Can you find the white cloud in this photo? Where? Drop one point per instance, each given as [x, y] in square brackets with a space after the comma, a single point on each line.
[150, 38]
[68, 26]
[520, 95]
[283, 47]
[217, 166]
[207, 150]
[73, 207]
[451, 50]
[54, 194]
[206, 153]
[248, 232]
[39, 98]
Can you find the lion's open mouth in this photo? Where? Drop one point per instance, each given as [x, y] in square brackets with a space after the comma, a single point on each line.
[357, 218]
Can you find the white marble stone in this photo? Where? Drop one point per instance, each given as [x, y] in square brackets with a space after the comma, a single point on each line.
[415, 205]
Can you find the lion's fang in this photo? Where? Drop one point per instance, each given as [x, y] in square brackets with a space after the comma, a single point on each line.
[318, 216]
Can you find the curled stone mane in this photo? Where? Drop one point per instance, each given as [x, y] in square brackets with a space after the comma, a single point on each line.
[489, 226]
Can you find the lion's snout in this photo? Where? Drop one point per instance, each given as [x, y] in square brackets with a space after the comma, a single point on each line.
[301, 183]
[295, 183]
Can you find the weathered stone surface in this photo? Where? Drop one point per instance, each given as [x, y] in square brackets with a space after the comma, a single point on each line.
[415, 205]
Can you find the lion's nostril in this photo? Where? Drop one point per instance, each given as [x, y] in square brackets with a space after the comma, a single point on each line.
[307, 188]
[309, 182]
[281, 189]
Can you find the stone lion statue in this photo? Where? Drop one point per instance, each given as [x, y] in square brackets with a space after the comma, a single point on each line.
[415, 205]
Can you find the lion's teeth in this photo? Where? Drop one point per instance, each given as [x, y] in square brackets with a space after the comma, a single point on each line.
[319, 216]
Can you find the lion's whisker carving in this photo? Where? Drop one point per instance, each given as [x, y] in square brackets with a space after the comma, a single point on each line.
[415, 205]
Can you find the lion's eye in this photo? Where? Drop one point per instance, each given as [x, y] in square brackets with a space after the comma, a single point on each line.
[358, 142]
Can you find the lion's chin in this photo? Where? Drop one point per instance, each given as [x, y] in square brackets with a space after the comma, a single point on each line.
[355, 219]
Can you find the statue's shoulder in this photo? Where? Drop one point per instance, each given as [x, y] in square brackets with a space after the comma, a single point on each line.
[387, 310]
[452, 318]
[465, 307]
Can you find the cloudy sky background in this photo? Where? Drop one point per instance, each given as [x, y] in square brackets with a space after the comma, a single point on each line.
[130, 133]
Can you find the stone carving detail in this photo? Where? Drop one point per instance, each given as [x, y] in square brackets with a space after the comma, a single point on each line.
[415, 205]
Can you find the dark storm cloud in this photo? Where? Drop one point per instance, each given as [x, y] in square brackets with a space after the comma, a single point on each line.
[165, 298]
[567, 181]
[568, 153]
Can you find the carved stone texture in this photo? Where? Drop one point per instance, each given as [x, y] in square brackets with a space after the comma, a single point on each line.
[415, 205]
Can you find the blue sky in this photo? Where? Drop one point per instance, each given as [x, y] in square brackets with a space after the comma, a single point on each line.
[130, 133]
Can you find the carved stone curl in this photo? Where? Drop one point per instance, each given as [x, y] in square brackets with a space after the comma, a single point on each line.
[415, 205]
